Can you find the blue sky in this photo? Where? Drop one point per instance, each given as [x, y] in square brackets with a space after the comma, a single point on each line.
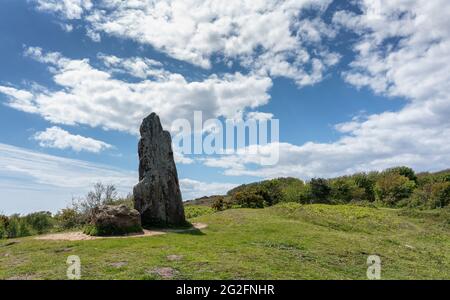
[355, 88]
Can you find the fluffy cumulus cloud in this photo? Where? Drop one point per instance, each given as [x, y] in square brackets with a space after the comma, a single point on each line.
[194, 189]
[401, 47]
[55, 137]
[70, 9]
[279, 38]
[135, 66]
[92, 96]
[403, 50]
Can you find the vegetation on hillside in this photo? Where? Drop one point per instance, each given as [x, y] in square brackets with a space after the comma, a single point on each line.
[398, 187]
[76, 215]
[395, 187]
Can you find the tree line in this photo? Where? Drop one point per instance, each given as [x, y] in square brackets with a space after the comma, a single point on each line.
[393, 187]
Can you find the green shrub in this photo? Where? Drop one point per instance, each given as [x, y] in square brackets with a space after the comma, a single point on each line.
[390, 188]
[193, 211]
[4, 220]
[17, 227]
[249, 199]
[39, 222]
[294, 192]
[344, 190]
[270, 191]
[68, 218]
[320, 191]
[440, 195]
[218, 204]
[367, 183]
[404, 171]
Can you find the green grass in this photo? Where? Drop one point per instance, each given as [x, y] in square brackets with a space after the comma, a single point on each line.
[194, 211]
[287, 241]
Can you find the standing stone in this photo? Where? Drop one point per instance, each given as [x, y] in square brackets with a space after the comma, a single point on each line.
[157, 196]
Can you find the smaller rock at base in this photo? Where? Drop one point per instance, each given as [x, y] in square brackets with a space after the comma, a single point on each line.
[114, 220]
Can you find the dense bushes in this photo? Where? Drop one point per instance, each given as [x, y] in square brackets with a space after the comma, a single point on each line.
[391, 188]
[345, 190]
[40, 222]
[394, 187]
[69, 218]
[249, 199]
[266, 193]
[76, 216]
[193, 211]
[19, 226]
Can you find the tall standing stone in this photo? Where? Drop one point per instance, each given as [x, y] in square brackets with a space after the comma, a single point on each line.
[157, 196]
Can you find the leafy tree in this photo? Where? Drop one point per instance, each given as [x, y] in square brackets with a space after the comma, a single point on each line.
[390, 188]
[218, 204]
[440, 195]
[404, 171]
[40, 222]
[320, 190]
[249, 199]
[17, 227]
[270, 191]
[294, 191]
[366, 182]
[4, 220]
[68, 218]
[344, 190]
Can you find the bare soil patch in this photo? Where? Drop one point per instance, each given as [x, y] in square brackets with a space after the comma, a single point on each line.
[164, 272]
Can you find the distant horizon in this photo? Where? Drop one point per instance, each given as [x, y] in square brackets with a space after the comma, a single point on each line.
[58, 200]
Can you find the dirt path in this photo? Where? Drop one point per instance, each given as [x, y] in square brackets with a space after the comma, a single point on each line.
[80, 236]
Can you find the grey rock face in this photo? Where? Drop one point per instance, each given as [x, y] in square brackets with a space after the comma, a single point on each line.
[109, 219]
[157, 196]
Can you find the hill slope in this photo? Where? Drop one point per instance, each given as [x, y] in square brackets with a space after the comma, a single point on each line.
[286, 241]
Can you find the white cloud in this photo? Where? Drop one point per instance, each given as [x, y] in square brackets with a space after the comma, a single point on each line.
[32, 181]
[69, 9]
[48, 170]
[94, 36]
[259, 116]
[94, 97]
[275, 38]
[135, 66]
[404, 48]
[195, 189]
[180, 158]
[403, 51]
[56, 137]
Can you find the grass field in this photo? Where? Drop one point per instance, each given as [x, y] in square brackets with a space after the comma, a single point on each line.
[286, 241]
